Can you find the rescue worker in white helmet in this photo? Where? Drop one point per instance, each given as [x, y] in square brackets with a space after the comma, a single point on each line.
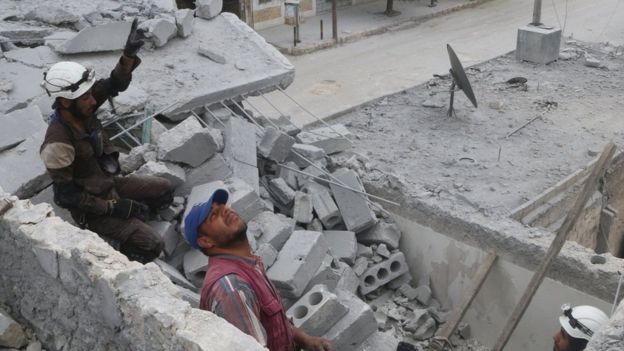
[83, 163]
[578, 325]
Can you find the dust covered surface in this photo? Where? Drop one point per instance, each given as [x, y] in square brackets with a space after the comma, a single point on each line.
[469, 161]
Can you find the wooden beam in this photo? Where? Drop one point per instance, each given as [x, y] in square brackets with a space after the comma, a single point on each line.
[556, 245]
[477, 281]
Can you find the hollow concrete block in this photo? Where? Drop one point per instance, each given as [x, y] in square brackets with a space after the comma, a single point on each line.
[355, 327]
[382, 273]
[302, 210]
[189, 143]
[297, 262]
[537, 44]
[342, 245]
[354, 209]
[195, 266]
[317, 311]
[381, 233]
[275, 145]
[289, 176]
[324, 205]
[244, 199]
[331, 140]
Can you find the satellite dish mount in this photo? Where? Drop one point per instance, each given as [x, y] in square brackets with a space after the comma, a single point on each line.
[460, 80]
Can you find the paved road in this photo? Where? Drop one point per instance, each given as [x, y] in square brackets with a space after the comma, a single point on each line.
[335, 80]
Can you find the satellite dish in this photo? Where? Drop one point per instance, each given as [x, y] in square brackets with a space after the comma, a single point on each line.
[460, 80]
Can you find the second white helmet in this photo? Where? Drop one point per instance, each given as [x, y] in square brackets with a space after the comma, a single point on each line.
[68, 80]
[582, 322]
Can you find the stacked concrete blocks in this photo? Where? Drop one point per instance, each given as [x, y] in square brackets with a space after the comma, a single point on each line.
[297, 262]
[189, 143]
[383, 272]
[353, 206]
[317, 311]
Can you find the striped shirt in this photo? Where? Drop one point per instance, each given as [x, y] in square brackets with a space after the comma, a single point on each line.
[233, 299]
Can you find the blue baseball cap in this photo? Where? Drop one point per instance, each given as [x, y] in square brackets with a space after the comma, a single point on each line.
[198, 214]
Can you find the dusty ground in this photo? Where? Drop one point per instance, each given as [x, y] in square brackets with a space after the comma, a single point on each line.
[468, 158]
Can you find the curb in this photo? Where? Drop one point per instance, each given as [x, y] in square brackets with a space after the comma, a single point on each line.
[393, 27]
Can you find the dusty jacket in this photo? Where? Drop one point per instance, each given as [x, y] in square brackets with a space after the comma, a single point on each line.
[72, 157]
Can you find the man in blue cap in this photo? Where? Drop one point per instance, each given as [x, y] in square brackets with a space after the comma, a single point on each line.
[236, 287]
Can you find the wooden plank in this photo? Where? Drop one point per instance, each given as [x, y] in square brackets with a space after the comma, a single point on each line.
[477, 281]
[560, 239]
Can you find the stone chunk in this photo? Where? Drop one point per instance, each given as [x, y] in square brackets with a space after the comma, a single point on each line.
[11, 333]
[317, 311]
[184, 22]
[21, 171]
[248, 173]
[195, 266]
[360, 265]
[168, 234]
[54, 15]
[364, 251]
[302, 211]
[327, 274]
[309, 152]
[381, 233]
[137, 157]
[423, 294]
[214, 169]
[281, 191]
[332, 140]
[240, 146]
[356, 214]
[173, 173]
[174, 275]
[357, 325]
[189, 143]
[382, 250]
[275, 145]
[591, 61]
[160, 30]
[342, 245]
[324, 205]
[208, 8]
[210, 54]
[349, 281]
[106, 37]
[271, 228]
[297, 262]
[383, 272]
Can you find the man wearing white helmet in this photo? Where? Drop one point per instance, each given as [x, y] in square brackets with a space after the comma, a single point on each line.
[83, 163]
[578, 325]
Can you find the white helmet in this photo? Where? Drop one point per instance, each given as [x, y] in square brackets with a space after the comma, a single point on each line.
[582, 322]
[68, 80]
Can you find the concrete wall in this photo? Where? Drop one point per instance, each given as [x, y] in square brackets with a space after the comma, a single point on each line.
[451, 265]
[77, 293]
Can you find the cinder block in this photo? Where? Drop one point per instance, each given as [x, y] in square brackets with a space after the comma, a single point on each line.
[240, 142]
[19, 125]
[317, 311]
[331, 140]
[301, 154]
[342, 245]
[302, 211]
[297, 262]
[195, 266]
[247, 173]
[354, 209]
[281, 191]
[313, 173]
[160, 30]
[189, 143]
[324, 205]
[174, 173]
[268, 254]
[11, 333]
[357, 325]
[208, 8]
[271, 228]
[174, 275]
[327, 274]
[184, 22]
[168, 233]
[537, 44]
[244, 199]
[381, 233]
[383, 272]
[289, 176]
[214, 169]
[105, 37]
[275, 145]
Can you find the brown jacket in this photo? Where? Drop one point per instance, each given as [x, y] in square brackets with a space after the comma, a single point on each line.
[71, 156]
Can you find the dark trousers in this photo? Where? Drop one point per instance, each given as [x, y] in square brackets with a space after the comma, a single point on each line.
[137, 240]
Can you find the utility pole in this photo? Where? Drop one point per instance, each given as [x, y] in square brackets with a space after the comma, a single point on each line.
[334, 21]
[537, 13]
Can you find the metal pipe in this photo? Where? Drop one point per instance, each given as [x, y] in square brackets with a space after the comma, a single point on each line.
[334, 20]
[537, 12]
[214, 116]
[125, 131]
[321, 29]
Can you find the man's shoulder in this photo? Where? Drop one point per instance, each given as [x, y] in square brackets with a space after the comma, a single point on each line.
[233, 281]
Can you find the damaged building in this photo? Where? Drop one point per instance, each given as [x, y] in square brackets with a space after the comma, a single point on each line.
[361, 254]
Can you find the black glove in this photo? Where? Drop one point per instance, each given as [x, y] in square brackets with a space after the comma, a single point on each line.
[126, 208]
[135, 40]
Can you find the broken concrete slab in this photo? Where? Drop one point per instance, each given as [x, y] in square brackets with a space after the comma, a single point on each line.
[297, 262]
[137, 157]
[382, 233]
[159, 30]
[106, 37]
[54, 15]
[39, 57]
[21, 171]
[275, 145]
[271, 228]
[208, 8]
[354, 209]
[195, 266]
[189, 143]
[380, 341]
[302, 210]
[19, 125]
[317, 311]
[342, 245]
[324, 205]
[214, 169]
[210, 54]
[301, 154]
[175, 276]
[11, 333]
[184, 22]
[23, 90]
[357, 325]
[331, 139]
[174, 173]
[167, 233]
[381, 273]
